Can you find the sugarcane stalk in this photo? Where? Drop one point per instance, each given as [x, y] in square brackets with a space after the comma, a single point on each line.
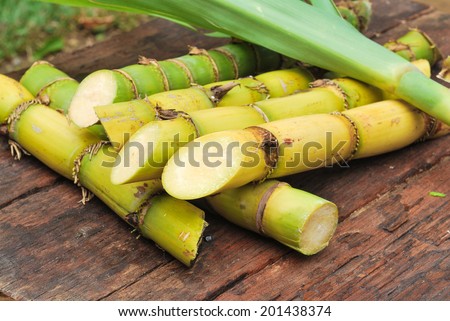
[50, 85]
[357, 12]
[148, 150]
[415, 45]
[290, 146]
[175, 225]
[295, 218]
[121, 120]
[149, 76]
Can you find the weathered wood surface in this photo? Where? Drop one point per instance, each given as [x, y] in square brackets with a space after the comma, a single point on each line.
[392, 242]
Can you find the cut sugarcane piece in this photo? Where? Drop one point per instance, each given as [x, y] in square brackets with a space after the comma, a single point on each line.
[444, 74]
[77, 154]
[105, 87]
[121, 120]
[48, 136]
[100, 88]
[415, 45]
[357, 12]
[297, 219]
[144, 156]
[174, 225]
[13, 95]
[290, 146]
[50, 85]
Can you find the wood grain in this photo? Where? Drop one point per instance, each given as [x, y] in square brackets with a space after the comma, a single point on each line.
[392, 242]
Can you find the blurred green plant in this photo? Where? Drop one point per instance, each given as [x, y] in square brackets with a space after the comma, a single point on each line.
[31, 30]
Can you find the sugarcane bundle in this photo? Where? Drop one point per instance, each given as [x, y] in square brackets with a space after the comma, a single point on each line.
[176, 226]
[149, 76]
[145, 154]
[229, 159]
[121, 120]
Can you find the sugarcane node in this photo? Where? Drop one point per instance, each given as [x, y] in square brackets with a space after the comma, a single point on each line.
[328, 83]
[219, 91]
[203, 52]
[90, 150]
[269, 144]
[231, 58]
[42, 62]
[356, 138]
[130, 79]
[396, 46]
[183, 66]
[39, 94]
[166, 114]
[146, 61]
[142, 60]
[17, 112]
[262, 113]
[259, 215]
[432, 125]
[436, 51]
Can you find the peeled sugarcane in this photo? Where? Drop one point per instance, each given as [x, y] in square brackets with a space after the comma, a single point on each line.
[149, 76]
[297, 219]
[296, 30]
[229, 159]
[121, 120]
[175, 225]
[145, 154]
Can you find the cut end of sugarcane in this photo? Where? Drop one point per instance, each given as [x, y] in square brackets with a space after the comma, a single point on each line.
[213, 163]
[444, 74]
[318, 229]
[97, 89]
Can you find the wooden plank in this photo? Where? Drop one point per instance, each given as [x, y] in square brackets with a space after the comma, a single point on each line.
[87, 253]
[21, 178]
[395, 248]
[55, 248]
[387, 14]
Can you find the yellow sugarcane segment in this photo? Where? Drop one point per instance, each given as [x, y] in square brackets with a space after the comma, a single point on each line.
[214, 120]
[300, 220]
[12, 94]
[310, 142]
[145, 154]
[232, 158]
[281, 83]
[313, 101]
[386, 126]
[48, 136]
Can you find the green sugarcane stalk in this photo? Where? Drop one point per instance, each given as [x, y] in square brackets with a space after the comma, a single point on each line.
[415, 45]
[121, 120]
[294, 145]
[75, 153]
[104, 87]
[357, 12]
[296, 29]
[297, 219]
